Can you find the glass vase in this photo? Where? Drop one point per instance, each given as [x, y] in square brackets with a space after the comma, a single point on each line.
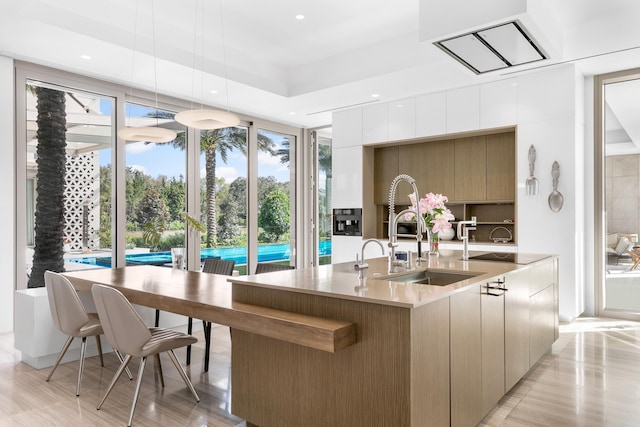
[434, 244]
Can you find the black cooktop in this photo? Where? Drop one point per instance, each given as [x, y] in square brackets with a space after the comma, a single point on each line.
[495, 256]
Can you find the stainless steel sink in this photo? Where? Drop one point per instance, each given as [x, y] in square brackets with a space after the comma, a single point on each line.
[430, 277]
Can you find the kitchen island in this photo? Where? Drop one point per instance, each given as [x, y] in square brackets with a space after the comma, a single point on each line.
[425, 355]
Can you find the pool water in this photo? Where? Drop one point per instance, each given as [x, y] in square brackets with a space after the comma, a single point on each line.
[266, 253]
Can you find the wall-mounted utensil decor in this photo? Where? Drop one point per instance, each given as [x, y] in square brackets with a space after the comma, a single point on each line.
[555, 198]
[531, 183]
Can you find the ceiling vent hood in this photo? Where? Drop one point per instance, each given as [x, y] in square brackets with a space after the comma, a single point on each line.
[490, 49]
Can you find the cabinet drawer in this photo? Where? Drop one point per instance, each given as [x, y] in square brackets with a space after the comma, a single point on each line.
[543, 274]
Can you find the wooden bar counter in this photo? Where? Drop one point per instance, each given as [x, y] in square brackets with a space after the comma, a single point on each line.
[208, 297]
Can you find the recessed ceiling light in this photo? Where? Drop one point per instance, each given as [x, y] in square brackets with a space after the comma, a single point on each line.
[293, 113]
[299, 17]
[85, 57]
[213, 91]
[375, 95]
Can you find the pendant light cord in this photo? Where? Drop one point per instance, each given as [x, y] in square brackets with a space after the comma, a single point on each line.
[133, 58]
[224, 55]
[155, 59]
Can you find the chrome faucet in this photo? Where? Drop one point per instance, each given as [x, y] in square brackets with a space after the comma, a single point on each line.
[361, 266]
[394, 218]
[463, 234]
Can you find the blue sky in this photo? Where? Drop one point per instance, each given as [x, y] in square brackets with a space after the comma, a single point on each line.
[163, 159]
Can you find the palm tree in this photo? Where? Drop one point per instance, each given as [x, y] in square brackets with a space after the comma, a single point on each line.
[50, 178]
[324, 156]
[215, 141]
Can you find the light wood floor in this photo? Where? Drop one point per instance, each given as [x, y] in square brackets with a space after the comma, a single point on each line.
[590, 378]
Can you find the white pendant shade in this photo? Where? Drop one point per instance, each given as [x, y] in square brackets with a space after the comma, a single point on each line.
[147, 133]
[207, 119]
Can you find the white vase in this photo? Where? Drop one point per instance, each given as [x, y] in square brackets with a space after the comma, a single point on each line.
[447, 234]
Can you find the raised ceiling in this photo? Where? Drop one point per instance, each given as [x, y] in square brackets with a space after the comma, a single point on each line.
[338, 56]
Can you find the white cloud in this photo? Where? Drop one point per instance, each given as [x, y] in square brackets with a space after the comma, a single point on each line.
[139, 147]
[268, 159]
[283, 168]
[227, 172]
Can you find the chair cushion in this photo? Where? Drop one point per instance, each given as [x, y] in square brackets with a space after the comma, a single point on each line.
[92, 327]
[165, 340]
[612, 240]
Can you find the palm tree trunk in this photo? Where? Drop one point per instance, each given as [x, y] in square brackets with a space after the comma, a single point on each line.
[210, 169]
[51, 161]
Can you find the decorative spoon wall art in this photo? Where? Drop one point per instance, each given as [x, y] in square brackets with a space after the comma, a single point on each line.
[556, 200]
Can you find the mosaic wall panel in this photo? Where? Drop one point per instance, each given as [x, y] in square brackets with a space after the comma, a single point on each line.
[82, 202]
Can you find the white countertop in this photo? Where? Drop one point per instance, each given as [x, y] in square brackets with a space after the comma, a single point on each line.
[341, 280]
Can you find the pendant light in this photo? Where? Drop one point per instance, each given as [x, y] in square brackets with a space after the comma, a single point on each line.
[147, 133]
[208, 119]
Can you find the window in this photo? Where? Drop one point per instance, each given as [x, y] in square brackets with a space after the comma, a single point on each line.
[276, 197]
[69, 134]
[223, 195]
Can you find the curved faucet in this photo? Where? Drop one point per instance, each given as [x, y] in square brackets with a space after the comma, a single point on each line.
[361, 266]
[393, 218]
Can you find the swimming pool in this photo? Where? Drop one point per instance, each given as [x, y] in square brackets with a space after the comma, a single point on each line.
[266, 253]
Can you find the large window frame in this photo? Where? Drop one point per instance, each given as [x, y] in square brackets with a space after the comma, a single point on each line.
[600, 82]
[121, 94]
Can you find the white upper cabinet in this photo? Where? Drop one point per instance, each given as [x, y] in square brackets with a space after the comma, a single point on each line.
[499, 104]
[547, 96]
[346, 185]
[431, 114]
[347, 128]
[402, 119]
[463, 109]
[375, 123]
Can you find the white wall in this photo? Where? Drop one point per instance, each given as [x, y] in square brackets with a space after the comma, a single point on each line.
[7, 186]
[548, 109]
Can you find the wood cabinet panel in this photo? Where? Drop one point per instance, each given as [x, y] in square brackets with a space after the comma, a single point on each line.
[516, 327]
[501, 170]
[541, 323]
[470, 176]
[385, 166]
[440, 168]
[290, 385]
[492, 310]
[466, 358]
[542, 275]
[430, 365]
[431, 164]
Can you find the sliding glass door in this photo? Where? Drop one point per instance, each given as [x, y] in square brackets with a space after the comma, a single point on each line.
[323, 212]
[69, 146]
[223, 194]
[276, 184]
[618, 196]
[155, 191]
